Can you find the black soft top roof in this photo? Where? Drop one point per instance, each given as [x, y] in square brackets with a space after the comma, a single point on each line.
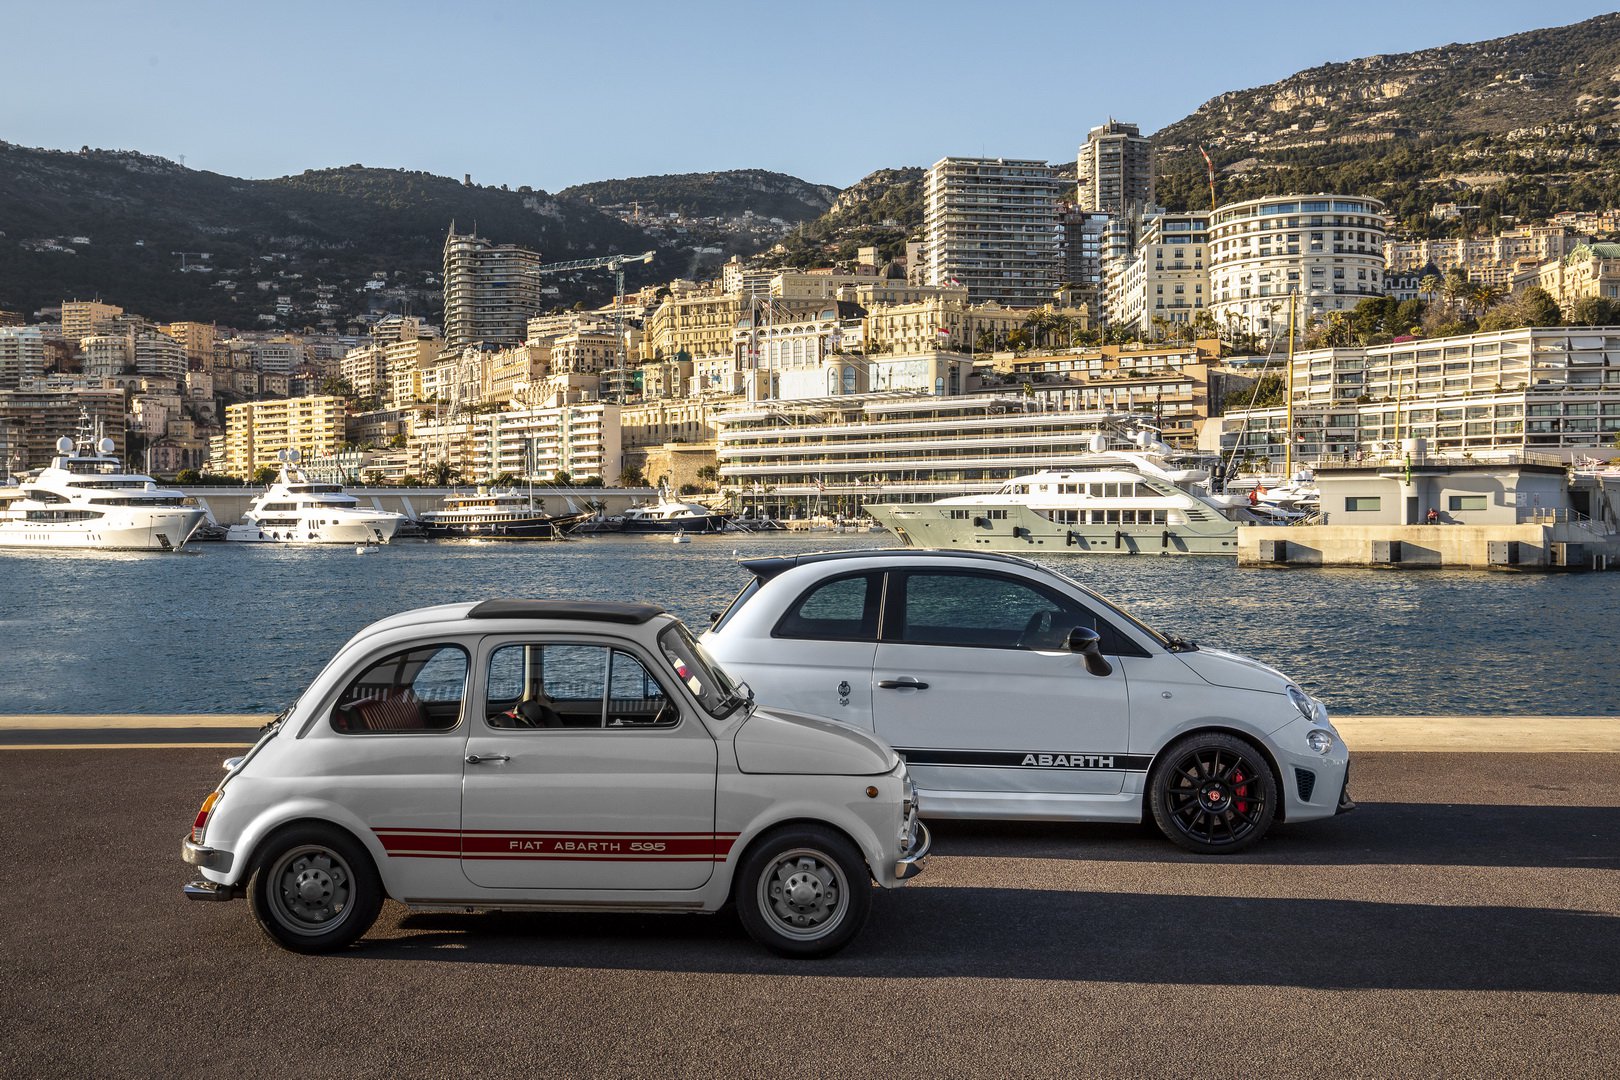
[766, 568]
[592, 610]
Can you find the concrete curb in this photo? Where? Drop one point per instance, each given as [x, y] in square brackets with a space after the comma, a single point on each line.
[1388, 734]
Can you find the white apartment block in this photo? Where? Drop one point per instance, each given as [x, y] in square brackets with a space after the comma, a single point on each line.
[160, 356]
[581, 440]
[1166, 278]
[1553, 390]
[1328, 250]
[993, 226]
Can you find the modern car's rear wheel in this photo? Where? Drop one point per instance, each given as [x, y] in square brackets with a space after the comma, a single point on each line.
[315, 889]
[1213, 794]
[803, 891]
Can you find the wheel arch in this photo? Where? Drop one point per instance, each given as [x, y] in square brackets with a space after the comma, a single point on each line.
[766, 831]
[265, 830]
[1215, 728]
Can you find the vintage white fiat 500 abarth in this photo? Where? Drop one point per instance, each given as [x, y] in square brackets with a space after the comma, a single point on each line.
[531, 754]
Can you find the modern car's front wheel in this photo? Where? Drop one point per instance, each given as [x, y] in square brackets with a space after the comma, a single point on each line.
[803, 891]
[1213, 794]
[315, 889]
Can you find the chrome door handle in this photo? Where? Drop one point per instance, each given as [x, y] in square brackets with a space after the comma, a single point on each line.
[905, 682]
[475, 759]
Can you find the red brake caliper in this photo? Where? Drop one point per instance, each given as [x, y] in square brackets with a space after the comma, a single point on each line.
[1240, 789]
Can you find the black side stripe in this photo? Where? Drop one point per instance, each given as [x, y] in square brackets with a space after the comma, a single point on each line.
[1027, 759]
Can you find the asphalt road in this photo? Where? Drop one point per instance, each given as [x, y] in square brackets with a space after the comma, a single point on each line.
[1465, 921]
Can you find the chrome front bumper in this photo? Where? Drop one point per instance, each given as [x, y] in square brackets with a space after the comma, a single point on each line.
[909, 865]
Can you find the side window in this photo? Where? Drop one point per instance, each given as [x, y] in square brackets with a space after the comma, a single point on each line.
[557, 685]
[984, 611]
[843, 609]
[419, 689]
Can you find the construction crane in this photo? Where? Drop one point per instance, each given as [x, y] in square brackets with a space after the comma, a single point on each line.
[202, 255]
[615, 265]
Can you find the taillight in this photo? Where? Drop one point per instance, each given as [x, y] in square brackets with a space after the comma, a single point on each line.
[201, 823]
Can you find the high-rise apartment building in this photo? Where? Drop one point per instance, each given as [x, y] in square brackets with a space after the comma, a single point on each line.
[490, 291]
[81, 318]
[256, 431]
[22, 355]
[1166, 279]
[1115, 170]
[993, 226]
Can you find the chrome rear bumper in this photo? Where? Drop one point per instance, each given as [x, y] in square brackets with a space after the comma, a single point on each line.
[207, 890]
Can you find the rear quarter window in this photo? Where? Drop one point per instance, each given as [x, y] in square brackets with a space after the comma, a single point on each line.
[839, 609]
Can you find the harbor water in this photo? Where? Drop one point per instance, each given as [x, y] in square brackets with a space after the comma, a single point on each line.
[243, 628]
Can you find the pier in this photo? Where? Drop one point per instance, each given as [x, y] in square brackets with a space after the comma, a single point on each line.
[1530, 546]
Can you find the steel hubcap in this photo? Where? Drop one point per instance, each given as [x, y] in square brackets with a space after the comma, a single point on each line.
[803, 893]
[312, 890]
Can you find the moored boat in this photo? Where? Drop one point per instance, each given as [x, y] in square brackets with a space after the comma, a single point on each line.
[297, 510]
[85, 498]
[493, 514]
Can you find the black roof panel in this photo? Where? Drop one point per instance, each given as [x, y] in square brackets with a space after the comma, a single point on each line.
[767, 568]
[591, 610]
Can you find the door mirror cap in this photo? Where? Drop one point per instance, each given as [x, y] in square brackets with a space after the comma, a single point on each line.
[1088, 643]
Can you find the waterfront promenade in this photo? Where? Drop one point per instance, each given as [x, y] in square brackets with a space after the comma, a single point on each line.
[1416, 734]
[1464, 921]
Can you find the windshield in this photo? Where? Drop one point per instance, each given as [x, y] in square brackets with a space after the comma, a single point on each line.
[708, 683]
[1164, 641]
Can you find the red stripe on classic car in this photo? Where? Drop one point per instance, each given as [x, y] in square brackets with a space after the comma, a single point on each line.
[493, 844]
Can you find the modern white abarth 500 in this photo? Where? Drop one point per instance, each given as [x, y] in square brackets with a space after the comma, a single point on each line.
[528, 754]
[1014, 692]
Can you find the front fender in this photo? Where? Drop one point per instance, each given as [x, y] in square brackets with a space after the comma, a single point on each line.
[247, 840]
[778, 800]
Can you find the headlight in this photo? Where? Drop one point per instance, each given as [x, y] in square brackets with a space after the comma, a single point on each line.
[1302, 702]
[1319, 740]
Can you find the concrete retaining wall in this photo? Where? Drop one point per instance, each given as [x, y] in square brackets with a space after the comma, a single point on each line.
[1423, 546]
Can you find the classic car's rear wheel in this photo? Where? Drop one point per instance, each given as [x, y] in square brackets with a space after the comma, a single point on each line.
[1213, 794]
[803, 890]
[315, 889]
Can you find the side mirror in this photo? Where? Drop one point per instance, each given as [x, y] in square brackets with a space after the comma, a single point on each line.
[1088, 643]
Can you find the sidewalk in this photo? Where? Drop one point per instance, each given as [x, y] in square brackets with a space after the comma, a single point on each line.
[1406, 734]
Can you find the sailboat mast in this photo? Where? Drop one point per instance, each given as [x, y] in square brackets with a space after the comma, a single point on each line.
[1288, 398]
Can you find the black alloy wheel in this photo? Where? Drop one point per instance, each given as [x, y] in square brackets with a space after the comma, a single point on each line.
[1214, 794]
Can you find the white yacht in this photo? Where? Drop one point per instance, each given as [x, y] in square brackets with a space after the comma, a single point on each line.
[296, 510]
[673, 515]
[85, 499]
[1116, 502]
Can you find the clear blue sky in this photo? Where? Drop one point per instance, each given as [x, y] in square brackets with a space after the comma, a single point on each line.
[551, 94]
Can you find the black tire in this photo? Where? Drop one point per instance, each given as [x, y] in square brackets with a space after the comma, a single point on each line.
[315, 889]
[803, 891]
[1213, 794]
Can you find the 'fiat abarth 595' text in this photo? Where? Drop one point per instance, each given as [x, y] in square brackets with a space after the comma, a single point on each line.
[548, 755]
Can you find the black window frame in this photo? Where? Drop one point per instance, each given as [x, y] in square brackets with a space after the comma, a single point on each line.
[1113, 643]
[871, 609]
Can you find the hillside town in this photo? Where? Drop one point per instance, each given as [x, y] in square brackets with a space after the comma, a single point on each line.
[1027, 311]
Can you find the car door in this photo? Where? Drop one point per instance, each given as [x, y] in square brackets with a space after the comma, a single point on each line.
[582, 772]
[975, 686]
[828, 636]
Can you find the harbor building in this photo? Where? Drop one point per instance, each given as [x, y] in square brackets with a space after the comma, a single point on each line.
[1495, 395]
[256, 431]
[1171, 386]
[1114, 170]
[1326, 249]
[41, 410]
[490, 291]
[992, 225]
[787, 458]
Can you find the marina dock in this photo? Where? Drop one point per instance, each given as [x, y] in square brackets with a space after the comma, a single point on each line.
[1531, 546]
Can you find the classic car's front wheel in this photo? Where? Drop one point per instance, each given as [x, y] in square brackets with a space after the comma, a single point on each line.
[315, 889]
[803, 891]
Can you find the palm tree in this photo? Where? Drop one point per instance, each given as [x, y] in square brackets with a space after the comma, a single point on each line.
[442, 474]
